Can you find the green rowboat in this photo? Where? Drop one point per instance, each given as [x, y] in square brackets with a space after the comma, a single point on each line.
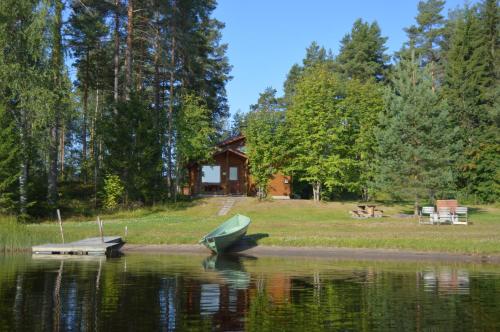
[226, 234]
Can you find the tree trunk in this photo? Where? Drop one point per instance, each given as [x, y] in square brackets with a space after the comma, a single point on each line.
[170, 118]
[84, 131]
[23, 176]
[317, 191]
[61, 151]
[128, 50]
[116, 53]
[261, 194]
[416, 208]
[52, 176]
[57, 63]
[177, 180]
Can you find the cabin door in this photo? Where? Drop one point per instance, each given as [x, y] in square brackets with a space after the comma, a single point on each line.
[234, 180]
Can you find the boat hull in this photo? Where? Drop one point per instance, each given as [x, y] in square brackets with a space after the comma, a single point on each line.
[218, 241]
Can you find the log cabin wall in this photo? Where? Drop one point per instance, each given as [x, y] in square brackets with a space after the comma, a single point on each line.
[235, 178]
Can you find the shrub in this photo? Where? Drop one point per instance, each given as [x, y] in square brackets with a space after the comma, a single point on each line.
[113, 191]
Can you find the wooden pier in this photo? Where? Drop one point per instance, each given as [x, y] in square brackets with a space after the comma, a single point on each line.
[90, 246]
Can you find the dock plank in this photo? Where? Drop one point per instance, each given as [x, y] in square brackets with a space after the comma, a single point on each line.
[89, 246]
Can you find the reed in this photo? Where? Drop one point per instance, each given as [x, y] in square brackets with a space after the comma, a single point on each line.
[14, 236]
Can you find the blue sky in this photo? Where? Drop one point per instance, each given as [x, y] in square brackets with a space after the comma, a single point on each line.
[266, 37]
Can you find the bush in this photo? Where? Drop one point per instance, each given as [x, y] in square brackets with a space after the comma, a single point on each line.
[113, 191]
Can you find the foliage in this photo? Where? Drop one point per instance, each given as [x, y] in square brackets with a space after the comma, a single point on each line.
[315, 55]
[319, 131]
[471, 89]
[362, 52]
[9, 159]
[132, 149]
[238, 123]
[415, 140]
[195, 135]
[363, 103]
[265, 139]
[426, 37]
[113, 191]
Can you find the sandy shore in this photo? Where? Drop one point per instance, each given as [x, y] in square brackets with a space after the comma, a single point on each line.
[321, 252]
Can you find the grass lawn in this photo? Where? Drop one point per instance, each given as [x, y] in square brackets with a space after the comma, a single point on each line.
[285, 223]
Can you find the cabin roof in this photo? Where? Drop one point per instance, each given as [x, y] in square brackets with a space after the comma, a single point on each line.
[231, 140]
[236, 152]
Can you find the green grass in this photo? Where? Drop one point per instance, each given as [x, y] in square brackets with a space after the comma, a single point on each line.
[284, 223]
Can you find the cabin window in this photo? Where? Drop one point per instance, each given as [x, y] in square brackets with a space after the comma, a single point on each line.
[233, 173]
[211, 174]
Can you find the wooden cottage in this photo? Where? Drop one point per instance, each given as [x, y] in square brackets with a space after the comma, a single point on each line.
[228, 174]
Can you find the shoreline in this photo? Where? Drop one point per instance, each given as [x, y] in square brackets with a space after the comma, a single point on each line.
[319, 252]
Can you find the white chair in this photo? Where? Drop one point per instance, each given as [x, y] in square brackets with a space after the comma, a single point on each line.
[460, 215]
[427, 211]
[444, 215]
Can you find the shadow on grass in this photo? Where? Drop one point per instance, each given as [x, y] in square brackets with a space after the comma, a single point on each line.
[247, 242]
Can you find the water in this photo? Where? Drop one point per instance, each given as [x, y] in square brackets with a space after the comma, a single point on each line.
[153, 292]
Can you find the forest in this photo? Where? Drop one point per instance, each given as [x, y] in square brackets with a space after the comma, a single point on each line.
[104, 103]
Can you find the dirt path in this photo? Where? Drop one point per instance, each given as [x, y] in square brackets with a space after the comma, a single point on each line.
[325, 253]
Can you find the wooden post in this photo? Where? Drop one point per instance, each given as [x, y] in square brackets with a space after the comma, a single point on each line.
[126, 230]
[99, 223]
[60, 224]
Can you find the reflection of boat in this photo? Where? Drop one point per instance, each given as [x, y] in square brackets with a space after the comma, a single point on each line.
[230, 269]
[226, 234]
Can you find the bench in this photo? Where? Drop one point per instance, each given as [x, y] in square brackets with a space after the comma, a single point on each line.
[450, 204]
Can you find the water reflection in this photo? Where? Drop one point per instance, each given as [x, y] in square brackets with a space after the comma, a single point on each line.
[230, 269]
[237, 293]
[446, 280]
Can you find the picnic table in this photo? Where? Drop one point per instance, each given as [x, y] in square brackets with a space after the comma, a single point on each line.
[367, 211]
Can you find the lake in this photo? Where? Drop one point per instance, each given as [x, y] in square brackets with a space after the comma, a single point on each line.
[163, 292]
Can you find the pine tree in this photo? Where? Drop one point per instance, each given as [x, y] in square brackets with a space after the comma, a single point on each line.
[427, 35]
[56, 64]
[426, 38]
[87, 30]
[315, 55]
[23, 76]
[362, 52]
[470, 87]
[415, 138]
[9, 161]
[238, 123]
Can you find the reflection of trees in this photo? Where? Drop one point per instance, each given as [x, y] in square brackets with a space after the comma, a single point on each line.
[57, 299]
[150, 294]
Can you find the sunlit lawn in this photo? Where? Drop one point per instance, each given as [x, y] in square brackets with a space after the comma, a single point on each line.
[283, 223]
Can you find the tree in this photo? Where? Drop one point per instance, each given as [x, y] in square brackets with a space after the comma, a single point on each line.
[56, 63]
[415, 139]
[238, 123]
[471, 88]
[86, 31]
[9, 161]
[318, 130]
[194, 135]
[315, 54]
[23, 76]
[363, 104]
[265, 139]
[362, 52]
[426, 37]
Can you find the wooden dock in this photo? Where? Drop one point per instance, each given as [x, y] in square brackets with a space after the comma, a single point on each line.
[90, 246]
